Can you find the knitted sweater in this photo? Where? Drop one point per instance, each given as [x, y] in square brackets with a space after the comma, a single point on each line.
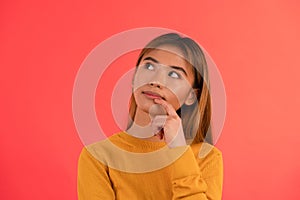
[125, 167]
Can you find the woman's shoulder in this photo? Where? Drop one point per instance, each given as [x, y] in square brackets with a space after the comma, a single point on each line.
[204, 149]
[207, 155]
[103, 144]
[102, 151]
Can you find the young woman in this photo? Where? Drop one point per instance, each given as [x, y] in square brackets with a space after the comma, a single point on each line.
[160, 155]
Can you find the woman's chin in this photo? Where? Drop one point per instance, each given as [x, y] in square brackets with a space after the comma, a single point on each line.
[156, 109]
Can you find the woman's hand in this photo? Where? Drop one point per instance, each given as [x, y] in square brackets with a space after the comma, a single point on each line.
[169, 126]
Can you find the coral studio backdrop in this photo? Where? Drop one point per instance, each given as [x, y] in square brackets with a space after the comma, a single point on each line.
[255, 45]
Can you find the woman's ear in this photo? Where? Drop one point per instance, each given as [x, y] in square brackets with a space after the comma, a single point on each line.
[191, 98]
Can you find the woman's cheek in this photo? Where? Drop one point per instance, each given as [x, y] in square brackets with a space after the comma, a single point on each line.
[178, 95]
[141, 79]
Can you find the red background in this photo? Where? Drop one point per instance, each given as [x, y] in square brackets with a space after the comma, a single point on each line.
[255, 44]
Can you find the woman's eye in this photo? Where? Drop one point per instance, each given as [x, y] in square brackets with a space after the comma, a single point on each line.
[149, 66]
[174, 74]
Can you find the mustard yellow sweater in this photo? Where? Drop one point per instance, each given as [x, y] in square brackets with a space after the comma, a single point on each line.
[128, 168]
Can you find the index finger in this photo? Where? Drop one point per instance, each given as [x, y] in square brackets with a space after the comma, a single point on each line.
[168, 107]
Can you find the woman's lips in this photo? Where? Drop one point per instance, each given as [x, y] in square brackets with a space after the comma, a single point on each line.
[152, 95]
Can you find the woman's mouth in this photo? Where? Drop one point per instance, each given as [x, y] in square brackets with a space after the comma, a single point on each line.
[152, 95]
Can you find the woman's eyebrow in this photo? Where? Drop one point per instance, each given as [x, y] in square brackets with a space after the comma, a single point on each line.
[174, 67]
[152, 59]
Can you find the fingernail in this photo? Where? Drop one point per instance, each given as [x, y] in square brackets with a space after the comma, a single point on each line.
[156, 99]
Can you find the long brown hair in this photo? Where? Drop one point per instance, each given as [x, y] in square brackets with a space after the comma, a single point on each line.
[195, 118]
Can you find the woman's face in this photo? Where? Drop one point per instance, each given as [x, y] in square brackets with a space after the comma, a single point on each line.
[163, 73]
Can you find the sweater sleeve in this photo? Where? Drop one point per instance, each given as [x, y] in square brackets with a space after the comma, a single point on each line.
[191, 183]
[93, 182]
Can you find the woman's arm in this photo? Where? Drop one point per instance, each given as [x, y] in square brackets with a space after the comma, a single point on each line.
[212, 172]
[198, 179]
[93, 180]
[193, 177]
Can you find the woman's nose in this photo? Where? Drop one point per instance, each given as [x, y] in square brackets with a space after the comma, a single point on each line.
[155, 84]
[159, 80]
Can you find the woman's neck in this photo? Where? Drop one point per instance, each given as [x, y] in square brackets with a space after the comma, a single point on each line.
[141, 126]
